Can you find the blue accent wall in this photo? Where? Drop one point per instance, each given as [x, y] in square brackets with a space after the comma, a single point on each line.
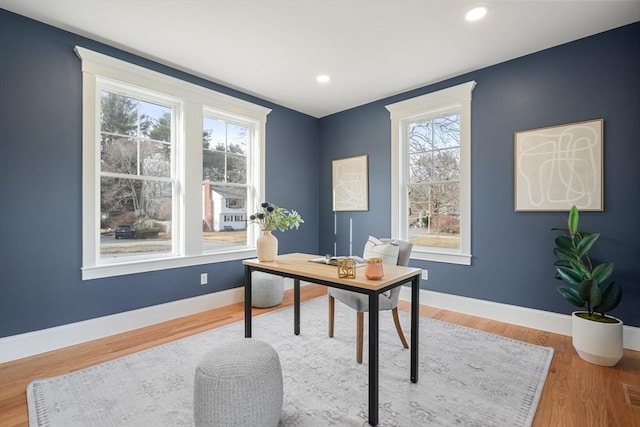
[41, 178]
[41, 187]
[595, 77]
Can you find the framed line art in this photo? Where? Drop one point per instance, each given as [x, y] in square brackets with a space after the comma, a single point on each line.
[559, 166]
[350, 179]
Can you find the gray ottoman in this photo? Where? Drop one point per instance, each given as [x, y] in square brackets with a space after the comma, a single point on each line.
[267, 289]
[238, 383]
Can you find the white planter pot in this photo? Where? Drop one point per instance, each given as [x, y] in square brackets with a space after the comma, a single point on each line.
[597, 342]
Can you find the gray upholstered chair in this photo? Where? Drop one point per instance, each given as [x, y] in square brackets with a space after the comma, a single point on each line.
[360, 302]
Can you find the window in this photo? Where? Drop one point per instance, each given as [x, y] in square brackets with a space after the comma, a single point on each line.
[227, 143]
[137, 172]
[149, 154]
[431, 174]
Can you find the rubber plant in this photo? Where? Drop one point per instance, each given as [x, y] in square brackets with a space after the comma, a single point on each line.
[585, 281]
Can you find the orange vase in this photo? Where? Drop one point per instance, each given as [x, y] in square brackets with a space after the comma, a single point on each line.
[374, 270]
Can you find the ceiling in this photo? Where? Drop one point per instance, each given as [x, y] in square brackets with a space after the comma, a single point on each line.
[371, 49]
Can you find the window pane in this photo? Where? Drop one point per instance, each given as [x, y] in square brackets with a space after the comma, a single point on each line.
[434, 215]
[434, 149]
[434, 134]
[213, 166]
[225, 151]
[446, 165]
[441, 165]
[118, 114]
[155, 121]
[216, 133]
[237, 138]
[123, 116]
[119, 155]
[236, 168]
[446, 131]
[155, 159]
[419, 134]
[224, 221]
[135, 217]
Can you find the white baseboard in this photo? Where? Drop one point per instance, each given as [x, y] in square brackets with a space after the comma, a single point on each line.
[36, 342]
[521, 316]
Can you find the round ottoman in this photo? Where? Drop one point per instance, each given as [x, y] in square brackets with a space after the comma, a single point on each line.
[267, 289]
[238, 383]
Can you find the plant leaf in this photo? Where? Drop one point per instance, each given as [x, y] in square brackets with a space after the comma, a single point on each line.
[562, 263]
[595, 295]
[572, 295]
[578, 265]
[573, 220]
[587, 241]
[569, 275]
[611, 297]
[602, 272]
[562, 254]
[564, 243]
[585, 289]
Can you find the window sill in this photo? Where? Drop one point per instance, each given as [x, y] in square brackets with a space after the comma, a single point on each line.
[143, 266]
[451, 258]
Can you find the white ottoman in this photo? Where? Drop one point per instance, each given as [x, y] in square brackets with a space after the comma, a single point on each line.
[267, 289]
[238, 383]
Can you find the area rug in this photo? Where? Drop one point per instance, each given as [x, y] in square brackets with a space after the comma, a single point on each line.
[466, 377]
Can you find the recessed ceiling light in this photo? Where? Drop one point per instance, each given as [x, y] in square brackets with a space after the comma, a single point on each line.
[476, 13]
[323, 78]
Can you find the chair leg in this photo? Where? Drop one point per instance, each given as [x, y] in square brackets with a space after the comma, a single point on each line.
[396, 320]
[359, 338]
[332, 305]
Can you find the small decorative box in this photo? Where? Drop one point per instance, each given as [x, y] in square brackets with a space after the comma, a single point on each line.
[346, 268]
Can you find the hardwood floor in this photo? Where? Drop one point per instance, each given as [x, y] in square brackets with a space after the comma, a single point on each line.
[576, 393]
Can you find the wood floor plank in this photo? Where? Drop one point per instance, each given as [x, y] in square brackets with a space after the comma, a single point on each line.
[576, 393]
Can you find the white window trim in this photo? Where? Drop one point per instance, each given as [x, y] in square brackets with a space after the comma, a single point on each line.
[458, 97]
[188, 160]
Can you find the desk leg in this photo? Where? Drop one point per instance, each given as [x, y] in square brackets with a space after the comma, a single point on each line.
[373, 359]
[247, 302]
[296, 306]
[415, 322]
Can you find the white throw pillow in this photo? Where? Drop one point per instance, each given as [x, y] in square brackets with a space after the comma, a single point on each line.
[378, 249]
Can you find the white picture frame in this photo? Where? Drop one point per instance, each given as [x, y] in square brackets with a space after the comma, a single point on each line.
[350, 184]
[559, 166]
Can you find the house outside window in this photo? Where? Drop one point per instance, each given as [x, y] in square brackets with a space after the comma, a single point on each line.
[143, 169]
[431, 174]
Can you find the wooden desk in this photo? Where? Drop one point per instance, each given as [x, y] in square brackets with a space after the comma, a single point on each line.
[298, 267]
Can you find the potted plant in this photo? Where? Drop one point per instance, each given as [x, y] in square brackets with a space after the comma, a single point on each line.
[271, 217]
[597, 337]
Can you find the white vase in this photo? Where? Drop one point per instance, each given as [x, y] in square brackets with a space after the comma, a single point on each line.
[597, 342]
[267, 246]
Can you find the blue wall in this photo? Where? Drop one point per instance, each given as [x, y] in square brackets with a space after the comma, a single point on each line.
[595, 77]
[41, 187]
